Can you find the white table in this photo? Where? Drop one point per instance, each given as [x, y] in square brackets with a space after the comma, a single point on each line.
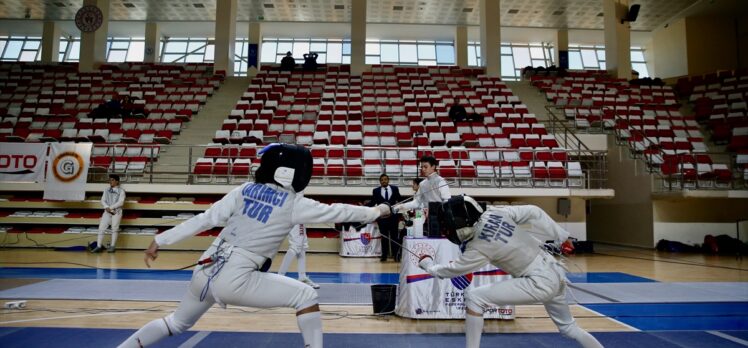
[422, 296]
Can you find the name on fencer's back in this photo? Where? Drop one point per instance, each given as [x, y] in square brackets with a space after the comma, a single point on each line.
[259, 201]
[495, 229]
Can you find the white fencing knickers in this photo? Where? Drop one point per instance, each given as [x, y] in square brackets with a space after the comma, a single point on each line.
[543, 281]
[237, 283]
[106, 220]
[298, 241]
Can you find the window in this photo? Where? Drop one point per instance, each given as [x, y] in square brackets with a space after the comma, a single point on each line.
[136, 51]
[515, 57]
[427, 51]
[20, 48]
[74, 52]
[445, 54]
[125, 49]
[335, 51]
[638, 62]
[593, 57]
[63, 49]
[410, 52]
[187, 50]
[389, 53]
[589, 58]
[268, 52]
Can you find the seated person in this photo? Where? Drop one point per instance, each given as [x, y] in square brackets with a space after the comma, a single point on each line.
[127, 106]
[475, 117]
[109, 109]
[288, 63]
[310, 61]
[457, 113]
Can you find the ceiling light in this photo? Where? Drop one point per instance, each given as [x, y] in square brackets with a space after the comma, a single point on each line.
[558, 13]
[340, 7]
[467, 9]
[397, 8]
[198, 5]
[268, 5]
[128, 5]
[513, 11]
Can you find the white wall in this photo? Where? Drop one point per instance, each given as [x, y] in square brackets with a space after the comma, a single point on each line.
[324, 30]
[670, 52]
[21, 27]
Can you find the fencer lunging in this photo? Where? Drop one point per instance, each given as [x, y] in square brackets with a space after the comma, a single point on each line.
[298, 244]
[257, 216]
[493, 237]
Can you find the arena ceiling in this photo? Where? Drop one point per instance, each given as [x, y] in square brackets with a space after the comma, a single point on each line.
[575, 14]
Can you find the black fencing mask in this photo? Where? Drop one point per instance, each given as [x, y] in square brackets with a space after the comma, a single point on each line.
[459, 213]
[289, 166]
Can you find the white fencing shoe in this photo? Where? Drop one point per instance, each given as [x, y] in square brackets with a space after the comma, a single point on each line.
[309, 282]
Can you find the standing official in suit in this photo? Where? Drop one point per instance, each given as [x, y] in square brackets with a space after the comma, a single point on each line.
[389, 194]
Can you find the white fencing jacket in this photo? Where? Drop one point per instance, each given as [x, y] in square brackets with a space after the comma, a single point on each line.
[113, 198]
[498, 241]
[432, 189]
[258, 217]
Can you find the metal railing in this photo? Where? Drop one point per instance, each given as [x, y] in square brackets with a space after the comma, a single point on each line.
[672, 172]
[509, 168]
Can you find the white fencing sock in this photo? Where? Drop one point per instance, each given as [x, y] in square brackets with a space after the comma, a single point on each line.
[583, 337]
[310, 325]
[100, 239]
[147, 335]
[114, 238]
[290, 255]
[301, 264]
[473, 330]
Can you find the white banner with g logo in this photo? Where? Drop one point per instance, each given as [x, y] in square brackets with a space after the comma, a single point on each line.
[67, 171]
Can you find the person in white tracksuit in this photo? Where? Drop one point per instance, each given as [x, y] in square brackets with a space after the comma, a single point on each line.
[257, 217]
[493, 237]
[112, 199]
[298, 244]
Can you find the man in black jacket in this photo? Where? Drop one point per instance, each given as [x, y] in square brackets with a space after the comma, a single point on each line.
[288, 63]
[389, 194]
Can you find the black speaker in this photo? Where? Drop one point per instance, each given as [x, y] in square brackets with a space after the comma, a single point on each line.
[632, 15]
[563, 206]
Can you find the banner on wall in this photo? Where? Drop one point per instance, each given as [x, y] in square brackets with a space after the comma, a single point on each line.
[22, 162]
[366, 242]
[67, 171]
[252, 55]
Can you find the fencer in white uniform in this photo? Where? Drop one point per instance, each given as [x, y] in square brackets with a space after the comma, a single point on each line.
[112, 200]
[298, 244]
[493, 237]
[257, 217]
[433, 188]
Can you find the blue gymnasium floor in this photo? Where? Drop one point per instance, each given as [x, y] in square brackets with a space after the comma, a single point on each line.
[693, 323]
[73, 338]
[320, 277]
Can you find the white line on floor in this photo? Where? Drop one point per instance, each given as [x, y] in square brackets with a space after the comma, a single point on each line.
[609, 318]
[195, 339]
[729, 338]
[68, 316]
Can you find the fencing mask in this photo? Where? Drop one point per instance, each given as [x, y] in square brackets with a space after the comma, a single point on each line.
[458, 216]
[289, 166]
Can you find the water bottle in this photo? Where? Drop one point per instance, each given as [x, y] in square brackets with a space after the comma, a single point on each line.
[418, 224]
